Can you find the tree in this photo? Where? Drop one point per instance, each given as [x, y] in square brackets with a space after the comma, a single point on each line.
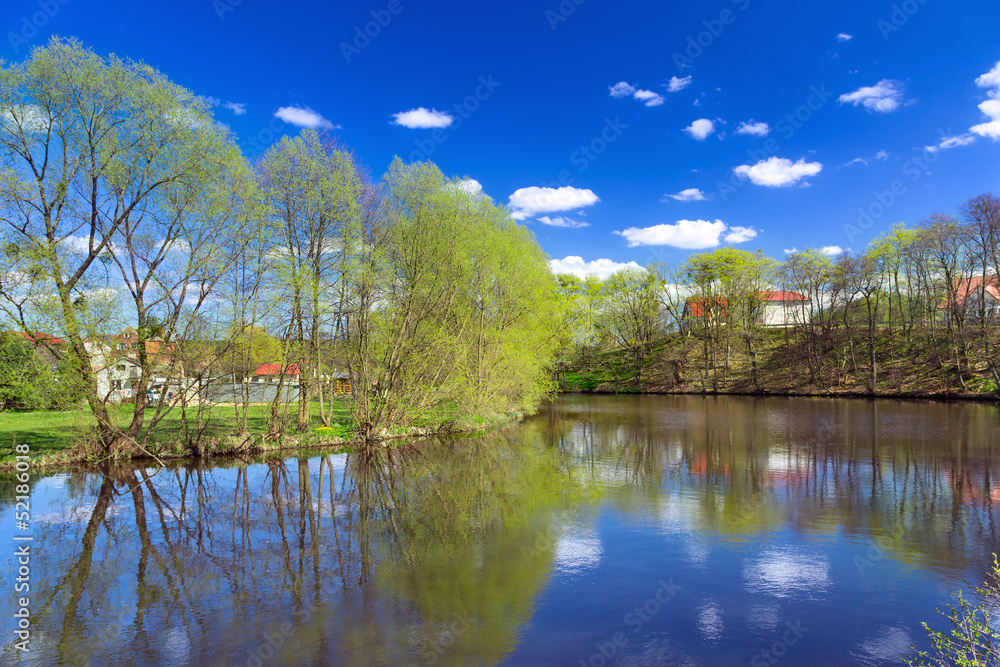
[630, 314]
[312, 189]
[106, 165]
[974, 640]
[453, 306]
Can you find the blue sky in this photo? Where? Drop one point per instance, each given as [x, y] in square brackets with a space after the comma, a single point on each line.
[584, 116]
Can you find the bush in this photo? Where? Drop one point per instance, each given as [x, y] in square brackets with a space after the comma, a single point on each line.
[974, 640]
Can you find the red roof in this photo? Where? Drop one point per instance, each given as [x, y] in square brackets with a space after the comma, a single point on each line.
[782, 296]
[275, 369]
[699, 305]
[39, 338]
[965, 286]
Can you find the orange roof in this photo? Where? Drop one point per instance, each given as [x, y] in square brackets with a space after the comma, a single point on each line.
[965, 286]
[275, 369]
[699, 305]
[39, 338]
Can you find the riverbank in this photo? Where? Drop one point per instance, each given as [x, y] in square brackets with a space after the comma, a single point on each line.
[66, 438]
[784, 367]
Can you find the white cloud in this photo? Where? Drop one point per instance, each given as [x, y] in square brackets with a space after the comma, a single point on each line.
[528, 202]
[778, 172]
[833, 250]
[600, 268]
[844, 37]
[956, 141]
[678, 84]
[238, 108]
[700, 129]
[691, 194]
[562, 222]
[626, 89]
[302, 117]
[991, 80]
[472, 188]
[422, 118]
[740, 234]
[884, 96]
[686, 234]
[792, 251]
[622, 89]
[754, 129]
[881, 155]
[648, 97]
[29, 117]
[991, 129]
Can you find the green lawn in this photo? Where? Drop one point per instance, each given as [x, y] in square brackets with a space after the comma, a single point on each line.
[52, 432]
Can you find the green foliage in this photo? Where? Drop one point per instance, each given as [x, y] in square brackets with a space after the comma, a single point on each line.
[33, 379]
[974, 639]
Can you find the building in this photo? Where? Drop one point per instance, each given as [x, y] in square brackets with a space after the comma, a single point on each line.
[973, 295]
[778, 309]
[782, 308]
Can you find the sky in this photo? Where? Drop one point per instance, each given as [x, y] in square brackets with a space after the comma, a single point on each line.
[619, 132]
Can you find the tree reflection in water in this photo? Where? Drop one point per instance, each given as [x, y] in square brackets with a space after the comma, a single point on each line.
[438, 552]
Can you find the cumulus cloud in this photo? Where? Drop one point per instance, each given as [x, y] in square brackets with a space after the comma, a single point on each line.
[626, 89]
[422, 118]
[678, 84]
[700, 129]
[691, 194]
[754, 129]
[991, 107]
[562, 222]
[740, 234]
[599, 268]
[470, 187]
[833, 250]
[884, 96]
[622, 89]
[686, 234]
[952, 142]
[648, 97]
[844, 37]
[238, 108]
[778, 172]
[791, 251]
[302, 117]
[528, 202]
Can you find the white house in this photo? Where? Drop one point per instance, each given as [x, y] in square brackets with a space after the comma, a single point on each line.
[784, 309]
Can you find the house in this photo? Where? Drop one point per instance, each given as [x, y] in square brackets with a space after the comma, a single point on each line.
[778, 309]
[972, 295]
[782, 308]
[267, 373]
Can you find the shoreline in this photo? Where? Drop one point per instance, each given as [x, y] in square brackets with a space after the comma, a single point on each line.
[855, 395]
[71, 457]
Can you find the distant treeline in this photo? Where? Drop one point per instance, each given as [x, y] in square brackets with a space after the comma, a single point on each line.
[917, 311]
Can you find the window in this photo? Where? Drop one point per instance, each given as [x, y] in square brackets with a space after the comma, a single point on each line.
[116, 385]
[120, 367]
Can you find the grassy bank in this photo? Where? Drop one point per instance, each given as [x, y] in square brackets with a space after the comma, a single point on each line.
[785, 365]
[58, 438]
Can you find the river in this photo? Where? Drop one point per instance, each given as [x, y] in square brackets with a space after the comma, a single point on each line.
[647, 530]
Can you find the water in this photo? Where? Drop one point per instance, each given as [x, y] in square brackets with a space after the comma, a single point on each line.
[603, 531]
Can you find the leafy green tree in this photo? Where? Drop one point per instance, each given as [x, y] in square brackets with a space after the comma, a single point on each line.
[139, 195]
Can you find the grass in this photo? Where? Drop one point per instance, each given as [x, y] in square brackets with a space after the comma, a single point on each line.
[50, 433]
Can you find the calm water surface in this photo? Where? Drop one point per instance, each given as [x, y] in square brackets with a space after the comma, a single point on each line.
[603, 531]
